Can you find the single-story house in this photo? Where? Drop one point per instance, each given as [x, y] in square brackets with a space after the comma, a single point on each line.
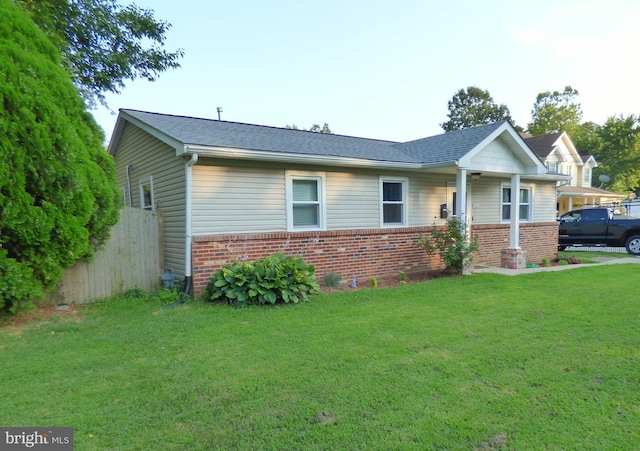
[230, 191]
[558, 153]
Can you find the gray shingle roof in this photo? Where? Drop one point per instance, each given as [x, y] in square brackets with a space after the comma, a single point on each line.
[208, 132]
[543, 145]
[449, 146]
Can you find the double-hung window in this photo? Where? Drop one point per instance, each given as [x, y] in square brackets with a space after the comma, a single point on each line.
[525, 200]
[147, 201]
[393, 205]
[305, 201]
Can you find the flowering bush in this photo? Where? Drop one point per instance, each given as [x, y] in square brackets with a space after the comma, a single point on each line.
[451, 244]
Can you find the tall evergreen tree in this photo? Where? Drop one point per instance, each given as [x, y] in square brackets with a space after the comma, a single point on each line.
[58, 196]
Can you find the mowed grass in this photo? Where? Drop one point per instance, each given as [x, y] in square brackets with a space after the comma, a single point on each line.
[542, 361]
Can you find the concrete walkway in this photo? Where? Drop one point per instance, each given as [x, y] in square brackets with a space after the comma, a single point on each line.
[517, 272]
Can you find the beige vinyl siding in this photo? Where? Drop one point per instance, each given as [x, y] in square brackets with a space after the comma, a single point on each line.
[426, 193]
[497, 157]
[544, 202]
[352, 200]
[237, 200]
[486, 192]
[150, 157]
[485, 200]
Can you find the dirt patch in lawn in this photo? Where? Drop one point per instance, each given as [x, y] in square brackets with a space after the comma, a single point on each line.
[42, 313]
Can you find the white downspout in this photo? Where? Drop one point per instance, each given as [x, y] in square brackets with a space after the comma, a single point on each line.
[187, 225]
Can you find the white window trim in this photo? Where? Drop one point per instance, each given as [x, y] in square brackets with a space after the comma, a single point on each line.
[531, 194]
[142, 184]
[320, 177]
[405, 203]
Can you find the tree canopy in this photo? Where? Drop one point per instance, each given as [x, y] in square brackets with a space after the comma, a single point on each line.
[472, 107]
[555, 112]
[314, 128]
[104, 44]
[618, 152]
[58, 196]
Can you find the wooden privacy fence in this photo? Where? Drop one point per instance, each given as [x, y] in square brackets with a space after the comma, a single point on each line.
[130, 259]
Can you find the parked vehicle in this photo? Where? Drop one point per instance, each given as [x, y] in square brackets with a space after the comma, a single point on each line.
[599, 227]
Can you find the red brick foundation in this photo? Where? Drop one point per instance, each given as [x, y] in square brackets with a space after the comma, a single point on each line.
[538, 240]
[359, 253]
[350, 253]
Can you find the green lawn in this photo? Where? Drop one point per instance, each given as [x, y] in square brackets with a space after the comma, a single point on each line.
[542, 361]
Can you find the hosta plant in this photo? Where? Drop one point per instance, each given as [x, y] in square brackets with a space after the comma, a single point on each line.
[275, 279]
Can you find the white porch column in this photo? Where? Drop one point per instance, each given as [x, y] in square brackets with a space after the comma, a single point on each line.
[514, 236]
[461, 196]
[514, 257]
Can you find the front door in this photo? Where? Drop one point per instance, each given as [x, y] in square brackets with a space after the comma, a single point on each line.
[452, 197]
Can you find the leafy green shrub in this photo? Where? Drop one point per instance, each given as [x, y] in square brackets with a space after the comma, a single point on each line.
[545, 262]
[373, 282]
[17, 288]
[451, 244]
[277, 278]
[332, 279]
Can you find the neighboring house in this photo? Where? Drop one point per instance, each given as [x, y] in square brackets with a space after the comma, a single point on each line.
[559, 155]
[227, 191]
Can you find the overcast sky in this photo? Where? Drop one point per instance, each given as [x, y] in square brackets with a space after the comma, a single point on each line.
[386, 69]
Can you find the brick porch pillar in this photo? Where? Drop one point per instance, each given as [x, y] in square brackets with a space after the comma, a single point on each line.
[513, 259]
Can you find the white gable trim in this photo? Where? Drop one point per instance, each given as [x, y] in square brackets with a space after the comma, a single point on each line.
[529, 161]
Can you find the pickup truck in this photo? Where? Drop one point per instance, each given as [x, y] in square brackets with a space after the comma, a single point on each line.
[599, 227]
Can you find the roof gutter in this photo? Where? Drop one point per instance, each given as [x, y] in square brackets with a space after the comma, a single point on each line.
[283, 157]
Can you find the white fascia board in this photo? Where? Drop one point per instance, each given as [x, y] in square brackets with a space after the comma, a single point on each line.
[152, 131]
[260, 155]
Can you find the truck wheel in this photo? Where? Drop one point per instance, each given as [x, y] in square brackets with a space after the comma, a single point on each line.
[633, 245]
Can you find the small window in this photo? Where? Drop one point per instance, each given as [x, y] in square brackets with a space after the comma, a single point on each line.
[525, 204]
[587, 175]
[552, 166]
[305, 205]
[146, 194]
[394, 202]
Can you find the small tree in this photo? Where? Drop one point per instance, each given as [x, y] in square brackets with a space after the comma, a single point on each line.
[451, 244]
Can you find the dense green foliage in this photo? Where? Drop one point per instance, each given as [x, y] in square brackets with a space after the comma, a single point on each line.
[58, 196]
[314, 128]
[545, 361]
[277, 278]
[103, 44]
[555, 112]
[615, 144]
[452, 244]
[473, 107]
